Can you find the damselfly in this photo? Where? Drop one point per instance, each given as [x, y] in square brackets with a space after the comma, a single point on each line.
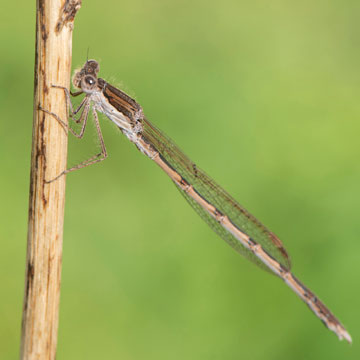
[222, 213]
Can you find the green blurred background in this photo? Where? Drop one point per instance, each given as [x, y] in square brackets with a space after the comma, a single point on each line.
[264, 97]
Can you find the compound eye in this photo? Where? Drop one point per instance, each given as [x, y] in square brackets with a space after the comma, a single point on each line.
[90, 81]
[77, 80]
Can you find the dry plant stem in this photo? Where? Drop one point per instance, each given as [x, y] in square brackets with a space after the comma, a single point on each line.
[54, 20]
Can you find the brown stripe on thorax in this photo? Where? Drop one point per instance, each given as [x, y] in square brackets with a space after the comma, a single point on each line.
[121, 101]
